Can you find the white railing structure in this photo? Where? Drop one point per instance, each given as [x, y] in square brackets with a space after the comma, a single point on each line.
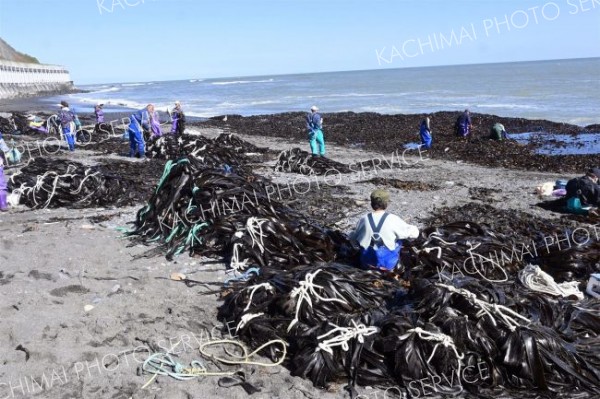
[21, 79]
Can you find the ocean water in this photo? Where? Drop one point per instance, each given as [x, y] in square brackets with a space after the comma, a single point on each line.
[560, 90]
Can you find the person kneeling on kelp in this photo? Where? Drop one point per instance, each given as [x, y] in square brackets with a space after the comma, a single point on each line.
[583, 192]
[497, 132]
[139, 121]
[380, 234]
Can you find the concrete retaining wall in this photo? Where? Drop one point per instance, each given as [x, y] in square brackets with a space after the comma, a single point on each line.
[18, 79]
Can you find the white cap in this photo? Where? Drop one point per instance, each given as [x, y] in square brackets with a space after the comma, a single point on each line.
[177, 103]
[314, 108]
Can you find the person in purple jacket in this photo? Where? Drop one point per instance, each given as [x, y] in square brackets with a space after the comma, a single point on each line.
[3, 188]
[178, 118]
[463, 124]
[99, 112]
[68, 120]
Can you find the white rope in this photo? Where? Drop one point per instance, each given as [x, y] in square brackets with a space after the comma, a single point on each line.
[486, 260]
[235, 263]
[246, 318]
[442, 339]
[83, 181]
[254, 228]
[435, 235]
[505, 314]
[304, 292]
[537, 280]
[439, 249]
[358, 332]
[268, 287]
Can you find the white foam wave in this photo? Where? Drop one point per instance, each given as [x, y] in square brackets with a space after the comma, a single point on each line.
[107, 90]
[354, 95]
[509, 106]
[235, 82]
[135, 84]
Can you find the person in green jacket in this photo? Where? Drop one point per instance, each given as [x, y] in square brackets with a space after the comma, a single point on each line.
[498, 132]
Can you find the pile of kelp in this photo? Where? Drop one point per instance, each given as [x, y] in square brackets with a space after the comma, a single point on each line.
[229, 212]
[45, 183]
[296, 160]
[465, 326]
[495, 239]
[225, 150]
[467, 335]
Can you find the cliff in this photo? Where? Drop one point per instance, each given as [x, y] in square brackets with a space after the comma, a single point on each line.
[22, 75]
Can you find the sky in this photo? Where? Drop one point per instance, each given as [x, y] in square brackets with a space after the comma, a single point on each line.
[109, 41]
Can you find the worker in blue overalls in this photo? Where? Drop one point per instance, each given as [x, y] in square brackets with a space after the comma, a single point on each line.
[68, 123]
[380, 235]
[139, 121]
[425, 132]
[314, 124]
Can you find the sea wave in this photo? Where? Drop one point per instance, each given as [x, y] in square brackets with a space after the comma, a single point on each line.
[235, 82]
[509, 106]
[107, 90]
[136, 84]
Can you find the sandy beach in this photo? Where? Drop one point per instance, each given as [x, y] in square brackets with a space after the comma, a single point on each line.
[81, 312]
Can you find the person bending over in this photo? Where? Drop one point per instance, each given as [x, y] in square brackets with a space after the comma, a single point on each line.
[497, 132]
[380, 235]
[583, 191]
[139, 121]
[425, 132]
[314, 124]
[463, 124]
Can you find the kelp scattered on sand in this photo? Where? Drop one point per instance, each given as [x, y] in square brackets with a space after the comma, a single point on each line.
[406, 185]
[386, 133]
[45, 183]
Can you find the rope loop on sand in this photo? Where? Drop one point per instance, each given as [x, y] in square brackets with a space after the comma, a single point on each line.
[246, 356]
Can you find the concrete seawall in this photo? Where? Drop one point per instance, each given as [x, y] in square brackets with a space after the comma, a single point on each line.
[19, 79]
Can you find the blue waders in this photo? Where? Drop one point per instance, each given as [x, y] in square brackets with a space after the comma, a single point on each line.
[377, 255]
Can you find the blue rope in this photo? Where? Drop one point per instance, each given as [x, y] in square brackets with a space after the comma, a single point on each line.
[245, 276]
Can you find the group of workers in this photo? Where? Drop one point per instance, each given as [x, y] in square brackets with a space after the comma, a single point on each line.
[143, 121]
[462, 128]
[146, 120]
